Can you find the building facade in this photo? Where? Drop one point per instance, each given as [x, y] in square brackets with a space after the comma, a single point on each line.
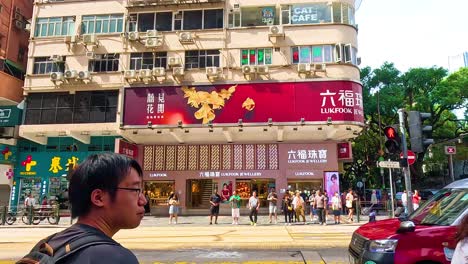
[457, 61]
[206, 94]
[14, 16]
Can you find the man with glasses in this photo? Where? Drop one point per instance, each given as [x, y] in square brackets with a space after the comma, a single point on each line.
[105, 195]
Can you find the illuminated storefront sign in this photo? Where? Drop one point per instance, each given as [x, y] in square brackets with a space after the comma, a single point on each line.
[282, 102]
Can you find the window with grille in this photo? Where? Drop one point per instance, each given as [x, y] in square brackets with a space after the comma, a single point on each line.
[148, 60]
[256, 56]
[44, 65]
[104, 63]
[201, 59]
[54, 26]
[101, 24]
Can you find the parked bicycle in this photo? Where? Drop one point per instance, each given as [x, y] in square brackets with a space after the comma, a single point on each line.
[39, 214]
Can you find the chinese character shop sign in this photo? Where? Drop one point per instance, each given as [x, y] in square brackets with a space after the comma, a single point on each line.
[49, 164]
[282, 102]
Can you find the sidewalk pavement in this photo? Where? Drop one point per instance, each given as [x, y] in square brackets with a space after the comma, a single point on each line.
[159, 221]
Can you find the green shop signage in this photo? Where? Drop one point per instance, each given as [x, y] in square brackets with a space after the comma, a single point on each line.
[43, 164]
[10, 116]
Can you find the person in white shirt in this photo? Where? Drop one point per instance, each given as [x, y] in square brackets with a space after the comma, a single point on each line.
[373, 198]
[299, 206]
[460, 256]
[404, 201]
[336, 208]
[30, 201]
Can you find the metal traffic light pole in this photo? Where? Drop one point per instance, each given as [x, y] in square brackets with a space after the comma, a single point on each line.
[406, 171]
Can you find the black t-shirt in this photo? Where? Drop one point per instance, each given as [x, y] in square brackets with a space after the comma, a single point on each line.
[102, 254]
[215, 198]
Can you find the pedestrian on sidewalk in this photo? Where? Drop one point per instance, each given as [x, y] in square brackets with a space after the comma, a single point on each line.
[336, 207]
[106, 196]
[173, 208]
[215, 199]
[234, 201]
[404, 201]
[272, 208]
[254, 205]
[416, 200]
[287, 209]
[327, 206]
[349, 204]
[312, 206]
[299, 205]
[320, 206]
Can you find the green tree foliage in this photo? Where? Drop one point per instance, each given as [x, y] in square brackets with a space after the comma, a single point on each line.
[431, 90]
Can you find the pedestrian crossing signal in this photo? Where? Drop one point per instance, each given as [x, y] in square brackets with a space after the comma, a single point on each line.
[392, 144]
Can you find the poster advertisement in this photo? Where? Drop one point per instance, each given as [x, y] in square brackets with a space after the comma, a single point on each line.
[332, 183]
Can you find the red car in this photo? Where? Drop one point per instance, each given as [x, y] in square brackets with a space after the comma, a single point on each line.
[427, 236]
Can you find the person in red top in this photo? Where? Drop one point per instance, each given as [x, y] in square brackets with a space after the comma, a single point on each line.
[416, 199]
[225, 193]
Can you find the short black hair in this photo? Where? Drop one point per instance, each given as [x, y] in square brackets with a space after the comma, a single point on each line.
[99, 171]
[333, 176]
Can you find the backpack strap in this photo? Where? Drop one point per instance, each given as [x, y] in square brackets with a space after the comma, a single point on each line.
[81, 242]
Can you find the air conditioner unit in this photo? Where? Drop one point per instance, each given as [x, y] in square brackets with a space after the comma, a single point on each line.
[84, 75]
[71, 74]
[153, 42]
[174, 61]
[262, 69]
[213, 71]
[247, 69]
[19, 24]
[56, 76]
[90, 55]
[178, 71]
[303, 68]
[27, 27]
[151, 33]
[145, 73]
[276, 30]
[8, 132]
[320, 67]
[70, 39]
[56, 58]
[159, 72]
[89, 39]
[130, 74]
[133, 36]
[186, 37]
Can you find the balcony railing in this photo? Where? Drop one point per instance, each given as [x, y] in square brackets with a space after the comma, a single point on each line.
[138, 3]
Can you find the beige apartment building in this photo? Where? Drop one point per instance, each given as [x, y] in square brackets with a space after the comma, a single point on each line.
[228, 94]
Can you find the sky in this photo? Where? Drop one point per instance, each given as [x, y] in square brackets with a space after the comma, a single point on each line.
[411, 33]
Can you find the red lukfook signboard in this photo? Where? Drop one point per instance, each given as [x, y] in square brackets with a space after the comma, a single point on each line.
[252, 102]
[126, 148]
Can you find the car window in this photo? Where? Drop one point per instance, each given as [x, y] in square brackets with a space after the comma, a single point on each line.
[443, 208]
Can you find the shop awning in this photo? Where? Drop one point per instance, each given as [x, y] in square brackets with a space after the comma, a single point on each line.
[14, 69]
[15, 65]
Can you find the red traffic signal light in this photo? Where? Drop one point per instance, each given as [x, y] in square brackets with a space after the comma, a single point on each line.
[393, 140]
[391, 133]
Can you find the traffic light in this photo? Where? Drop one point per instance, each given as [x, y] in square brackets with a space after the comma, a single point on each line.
[393, 140]
[419, 133]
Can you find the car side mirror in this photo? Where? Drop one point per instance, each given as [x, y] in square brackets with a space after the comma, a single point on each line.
[406, 226]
